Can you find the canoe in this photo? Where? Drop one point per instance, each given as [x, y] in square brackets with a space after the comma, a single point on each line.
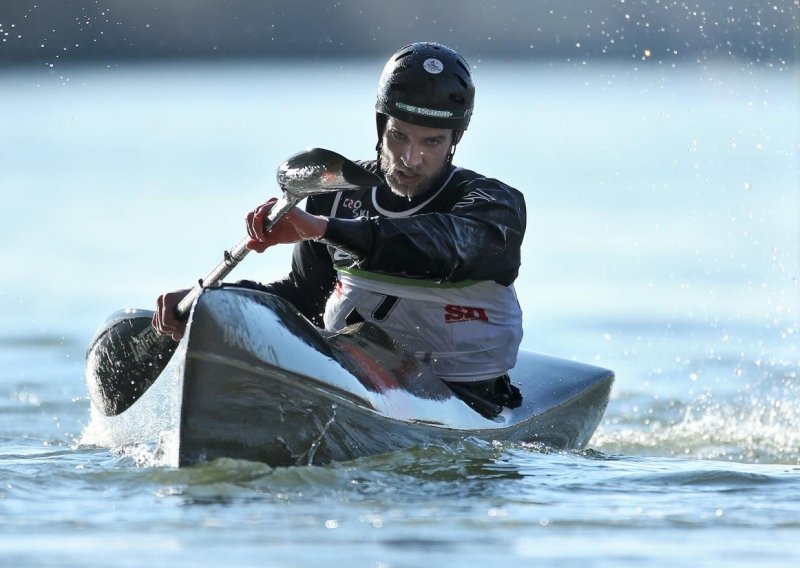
[252, 379]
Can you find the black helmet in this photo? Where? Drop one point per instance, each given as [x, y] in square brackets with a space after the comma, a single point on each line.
[427, 84]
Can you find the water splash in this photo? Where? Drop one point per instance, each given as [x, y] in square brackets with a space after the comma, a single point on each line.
[759, 423]
[155, 416]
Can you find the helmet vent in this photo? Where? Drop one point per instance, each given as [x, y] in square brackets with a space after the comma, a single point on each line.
[404, 55]
[456, 98]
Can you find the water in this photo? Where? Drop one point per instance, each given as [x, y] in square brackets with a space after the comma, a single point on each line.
[663, 243]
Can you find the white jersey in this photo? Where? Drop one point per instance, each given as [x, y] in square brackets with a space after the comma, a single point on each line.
[467, 331]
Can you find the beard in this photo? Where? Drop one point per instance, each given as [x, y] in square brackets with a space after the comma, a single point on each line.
[422, 184]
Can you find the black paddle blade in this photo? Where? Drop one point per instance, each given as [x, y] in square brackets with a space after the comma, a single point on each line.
[318, 170]
[357, 176]
[125, 357]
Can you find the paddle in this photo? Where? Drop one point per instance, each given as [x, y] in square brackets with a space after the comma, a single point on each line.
[127, 354]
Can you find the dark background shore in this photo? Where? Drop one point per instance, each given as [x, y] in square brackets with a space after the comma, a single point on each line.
[49, 32]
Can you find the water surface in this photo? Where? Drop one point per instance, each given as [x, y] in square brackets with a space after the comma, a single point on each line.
[663, 243]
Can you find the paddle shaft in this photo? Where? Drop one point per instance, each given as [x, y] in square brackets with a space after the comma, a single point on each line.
[233, 257]
[128, 354]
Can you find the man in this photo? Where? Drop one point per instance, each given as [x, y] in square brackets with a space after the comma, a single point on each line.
[430, 256]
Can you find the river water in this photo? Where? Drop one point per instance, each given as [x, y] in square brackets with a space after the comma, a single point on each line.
[663, 243]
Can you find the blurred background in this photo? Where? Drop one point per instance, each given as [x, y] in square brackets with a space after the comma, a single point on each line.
[51, 31]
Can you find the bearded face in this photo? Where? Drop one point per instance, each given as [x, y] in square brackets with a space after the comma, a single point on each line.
[413, 157]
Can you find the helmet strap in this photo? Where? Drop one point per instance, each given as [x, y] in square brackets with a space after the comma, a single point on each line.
[380, 121]
[457, 134]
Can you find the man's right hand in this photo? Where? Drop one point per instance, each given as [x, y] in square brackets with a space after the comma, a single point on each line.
[164, 319]
[296, 225]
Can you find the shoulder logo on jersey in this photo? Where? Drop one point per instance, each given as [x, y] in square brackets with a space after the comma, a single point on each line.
[457, 314]
[473, 197]
[356, 206]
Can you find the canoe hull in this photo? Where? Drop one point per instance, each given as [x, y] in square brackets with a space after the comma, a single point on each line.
[282, 421]
[260, 383]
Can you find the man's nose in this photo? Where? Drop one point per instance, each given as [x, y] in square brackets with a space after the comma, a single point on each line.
[412, 157]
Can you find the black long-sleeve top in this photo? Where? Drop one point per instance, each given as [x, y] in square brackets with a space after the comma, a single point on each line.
[467, 227]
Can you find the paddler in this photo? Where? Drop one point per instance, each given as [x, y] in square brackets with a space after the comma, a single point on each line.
[430, 256]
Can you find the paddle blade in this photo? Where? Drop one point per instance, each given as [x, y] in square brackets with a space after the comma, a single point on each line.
[125, 357]
[356, 176]
[318, 170]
